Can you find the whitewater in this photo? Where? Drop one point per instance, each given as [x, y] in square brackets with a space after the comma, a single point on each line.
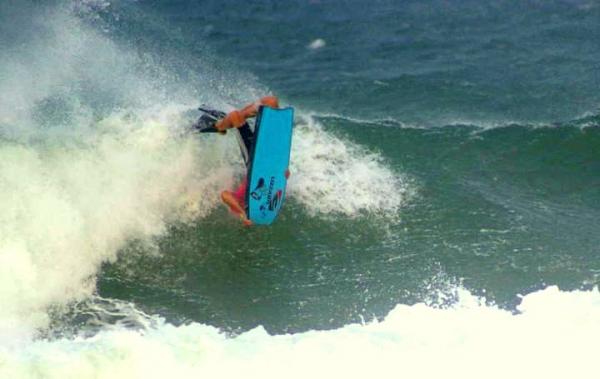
[553, 335]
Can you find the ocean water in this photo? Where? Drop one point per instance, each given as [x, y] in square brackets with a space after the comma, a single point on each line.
[443, 213]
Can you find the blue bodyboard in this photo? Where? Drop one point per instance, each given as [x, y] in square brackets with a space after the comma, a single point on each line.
[269, 159]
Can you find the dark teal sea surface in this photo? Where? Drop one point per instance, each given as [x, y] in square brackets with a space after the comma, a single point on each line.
[439, 147]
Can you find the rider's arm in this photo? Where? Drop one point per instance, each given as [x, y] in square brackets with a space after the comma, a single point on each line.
[237, 118]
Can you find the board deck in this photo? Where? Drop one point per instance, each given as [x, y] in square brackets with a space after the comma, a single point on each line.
[270, 159]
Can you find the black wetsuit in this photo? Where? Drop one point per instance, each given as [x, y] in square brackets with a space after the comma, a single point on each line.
[247, 138]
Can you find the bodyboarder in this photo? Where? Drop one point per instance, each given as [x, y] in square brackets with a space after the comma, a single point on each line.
[235, 200]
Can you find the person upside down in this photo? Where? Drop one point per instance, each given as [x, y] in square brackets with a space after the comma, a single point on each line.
[235, 200]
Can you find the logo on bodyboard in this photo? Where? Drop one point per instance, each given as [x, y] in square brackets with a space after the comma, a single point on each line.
[271, 204]
[259, 190]
[273, 198]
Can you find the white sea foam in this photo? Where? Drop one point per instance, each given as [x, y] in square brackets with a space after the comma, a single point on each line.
[333, 176]
[66, 209]
[555, 335]
[75, 186]
[317, 44]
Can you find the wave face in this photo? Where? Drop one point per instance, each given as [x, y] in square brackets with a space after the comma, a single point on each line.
[444, 187]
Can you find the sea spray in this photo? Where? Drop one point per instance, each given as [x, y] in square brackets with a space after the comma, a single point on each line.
[334, 176]
[67, 209]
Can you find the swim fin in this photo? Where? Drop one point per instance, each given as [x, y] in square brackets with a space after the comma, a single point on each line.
[206, 122]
